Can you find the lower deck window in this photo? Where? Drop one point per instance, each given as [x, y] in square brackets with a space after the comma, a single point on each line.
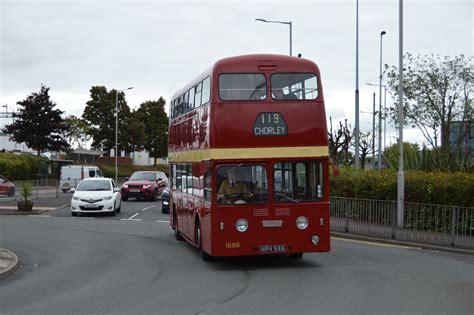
[298, 181]
[242, 184]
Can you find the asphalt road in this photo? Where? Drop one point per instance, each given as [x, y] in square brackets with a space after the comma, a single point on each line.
[131, 264]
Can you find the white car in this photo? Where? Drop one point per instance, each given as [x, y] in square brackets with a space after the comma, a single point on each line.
[96, 195]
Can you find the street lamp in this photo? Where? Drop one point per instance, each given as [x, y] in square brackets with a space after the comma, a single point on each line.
[356, 150]
[280, 22]
[380, 104]
[400, 175]
[384, 113]
[116, 130]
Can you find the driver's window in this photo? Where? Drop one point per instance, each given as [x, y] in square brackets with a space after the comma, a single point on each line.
[239, 184]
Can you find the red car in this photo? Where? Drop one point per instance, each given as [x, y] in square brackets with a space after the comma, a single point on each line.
[6, 187]
[144, 185]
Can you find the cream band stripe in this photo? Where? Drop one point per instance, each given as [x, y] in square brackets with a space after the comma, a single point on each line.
[248, 153]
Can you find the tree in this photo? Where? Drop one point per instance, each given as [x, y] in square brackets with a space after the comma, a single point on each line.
[77, 133]
[134, 132]
[99, 115]
[437, 92]
[155, 119]
[38, 124]
[340, 141]
[365, 147]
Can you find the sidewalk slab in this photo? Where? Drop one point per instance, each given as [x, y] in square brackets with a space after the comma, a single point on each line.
[8, 262]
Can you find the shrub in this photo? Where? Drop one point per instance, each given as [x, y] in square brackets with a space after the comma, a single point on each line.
[421, 187]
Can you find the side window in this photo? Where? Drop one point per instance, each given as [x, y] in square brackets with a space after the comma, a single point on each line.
[189, 178]
[206, 90]
[91, 173]
[208, 184]
[197, 95]
[191, 98]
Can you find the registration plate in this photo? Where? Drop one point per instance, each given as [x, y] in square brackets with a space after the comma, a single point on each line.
[89, 205]
[268, 249]
[134, 190]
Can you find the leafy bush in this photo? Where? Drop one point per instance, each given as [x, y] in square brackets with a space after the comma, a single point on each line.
[19, 166]
[421, 187]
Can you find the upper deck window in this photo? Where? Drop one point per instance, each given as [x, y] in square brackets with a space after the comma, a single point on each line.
[238, 87]
[294, 86]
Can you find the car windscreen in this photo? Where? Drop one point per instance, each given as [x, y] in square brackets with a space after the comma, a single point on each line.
[94, 185]
[143, 176]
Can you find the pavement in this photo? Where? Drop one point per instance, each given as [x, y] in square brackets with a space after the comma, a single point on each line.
[39, 206]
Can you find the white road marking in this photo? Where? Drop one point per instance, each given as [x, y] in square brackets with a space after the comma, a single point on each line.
[136, 220]
[162, 221]
[133, 216]
[39, 215]
[145, 209]
[370, 243]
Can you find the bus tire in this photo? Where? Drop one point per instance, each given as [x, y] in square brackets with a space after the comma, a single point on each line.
[177, 234]
[205, 256]
[296, 255]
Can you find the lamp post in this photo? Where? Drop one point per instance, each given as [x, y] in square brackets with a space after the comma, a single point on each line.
[280, 22]
[384, 113]
[356, 149]
[116, 130]
[400, 175]
[380, 105]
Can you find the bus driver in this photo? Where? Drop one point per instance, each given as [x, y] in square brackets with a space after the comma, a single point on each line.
[232, 190]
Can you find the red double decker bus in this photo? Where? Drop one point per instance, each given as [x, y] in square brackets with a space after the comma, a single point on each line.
[248, 157]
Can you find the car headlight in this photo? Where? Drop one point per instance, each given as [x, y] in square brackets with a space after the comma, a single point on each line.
[241, 225]
[146, 186]
[75, 198]
[302, 222]
[125, 186]
[108, 198]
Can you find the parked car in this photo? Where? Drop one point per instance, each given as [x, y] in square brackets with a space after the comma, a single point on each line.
[144, 184]
[96, 195]
[6, 187]
[165, 199]
[71, 175]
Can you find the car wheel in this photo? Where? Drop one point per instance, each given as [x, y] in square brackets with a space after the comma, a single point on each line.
[205, 256]
[177, 234]
[114, 211]
[11, 192]
[124, 198]
[74, 214]
[155, 195]
[119, 208]
[296, 255]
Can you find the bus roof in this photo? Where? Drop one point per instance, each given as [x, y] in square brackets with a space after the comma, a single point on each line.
[252, 63]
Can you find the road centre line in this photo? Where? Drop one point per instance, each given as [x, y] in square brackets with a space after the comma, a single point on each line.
[162, 221]
[39, 215]
[136, 220]
[144, 209]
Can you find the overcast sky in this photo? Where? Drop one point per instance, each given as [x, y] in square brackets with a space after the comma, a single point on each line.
[158, 46]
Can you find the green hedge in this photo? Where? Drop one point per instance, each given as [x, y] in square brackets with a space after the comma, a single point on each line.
[422, 187]
[20, 166]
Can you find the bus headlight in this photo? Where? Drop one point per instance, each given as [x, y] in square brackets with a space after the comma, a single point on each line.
[302, 223]
[315, 239]
[241, 225]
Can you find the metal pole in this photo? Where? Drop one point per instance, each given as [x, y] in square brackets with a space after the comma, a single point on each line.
[356, 149]
[291, 31]
[379, 158]
[116, 134]
[384, 116]
[401, 175]
[373, 134]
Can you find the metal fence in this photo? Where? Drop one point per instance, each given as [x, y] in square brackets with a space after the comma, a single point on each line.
[435, 224]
